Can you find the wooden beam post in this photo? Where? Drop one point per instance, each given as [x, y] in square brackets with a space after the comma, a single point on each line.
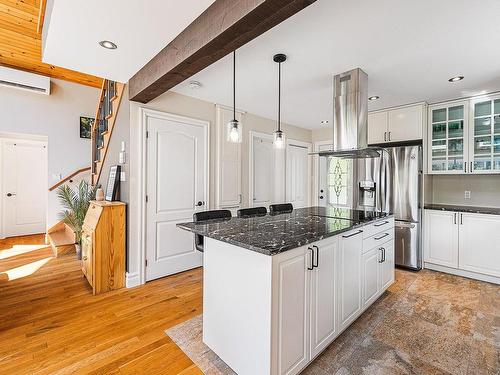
[225, 26]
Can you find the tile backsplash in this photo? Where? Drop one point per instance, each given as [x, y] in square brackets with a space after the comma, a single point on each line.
[450, 189]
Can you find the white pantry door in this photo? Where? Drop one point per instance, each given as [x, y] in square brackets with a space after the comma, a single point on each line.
[264, 172]
[297, 175]
[24, 187]
[177, 176]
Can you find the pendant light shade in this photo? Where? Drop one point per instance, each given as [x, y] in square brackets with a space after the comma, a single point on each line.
[279, 136]
[233, 131]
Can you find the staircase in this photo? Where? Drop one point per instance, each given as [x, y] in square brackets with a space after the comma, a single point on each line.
[61, 237]
[107, 110]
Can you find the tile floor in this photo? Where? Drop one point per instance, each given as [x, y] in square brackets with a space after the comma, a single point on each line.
[426, 323]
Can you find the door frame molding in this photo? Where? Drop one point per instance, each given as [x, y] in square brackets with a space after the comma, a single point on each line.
[27, 138]
[253, 134]
[317, 144]
[309, 147]
[144, 114]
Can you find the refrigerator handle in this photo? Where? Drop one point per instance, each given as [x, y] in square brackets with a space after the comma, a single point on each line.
[455, 218]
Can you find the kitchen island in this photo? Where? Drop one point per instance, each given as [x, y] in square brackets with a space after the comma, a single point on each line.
[278, 289]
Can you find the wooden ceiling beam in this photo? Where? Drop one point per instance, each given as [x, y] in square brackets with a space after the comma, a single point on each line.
[225, 26]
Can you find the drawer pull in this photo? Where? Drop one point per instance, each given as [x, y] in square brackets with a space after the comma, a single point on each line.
[382, 236]
[380, 224]
[354, 234]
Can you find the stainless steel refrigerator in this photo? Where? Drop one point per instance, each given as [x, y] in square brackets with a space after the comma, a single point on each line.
[393, 183]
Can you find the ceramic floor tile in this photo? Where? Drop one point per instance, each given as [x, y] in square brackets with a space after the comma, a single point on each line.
[374, 357]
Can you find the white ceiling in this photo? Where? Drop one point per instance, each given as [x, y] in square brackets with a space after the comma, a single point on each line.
[139, 28]
[408, 48]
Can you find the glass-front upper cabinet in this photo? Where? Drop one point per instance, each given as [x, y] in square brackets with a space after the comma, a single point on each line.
[485, 140]
[448, 132]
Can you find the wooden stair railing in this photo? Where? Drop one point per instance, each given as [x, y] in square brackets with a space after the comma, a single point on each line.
[102, 129]
[69, 177]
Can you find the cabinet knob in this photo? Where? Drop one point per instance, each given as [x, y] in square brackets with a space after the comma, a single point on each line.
[84, 258]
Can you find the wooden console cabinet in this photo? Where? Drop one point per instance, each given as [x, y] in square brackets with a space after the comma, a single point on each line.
[103, 246]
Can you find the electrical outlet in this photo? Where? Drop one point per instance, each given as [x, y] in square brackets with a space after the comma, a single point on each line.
[467, 194]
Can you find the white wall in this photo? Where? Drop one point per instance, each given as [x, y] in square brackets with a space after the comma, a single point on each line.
[198, 109]
[56, 116]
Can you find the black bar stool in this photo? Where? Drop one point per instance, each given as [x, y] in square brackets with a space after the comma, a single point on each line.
[204, 216]
[283, 208]
[251, 212]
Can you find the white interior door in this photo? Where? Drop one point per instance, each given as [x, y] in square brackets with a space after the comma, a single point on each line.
[24, 190]
[177, 176]
[264, 172]
[322, 176]
[297, 175]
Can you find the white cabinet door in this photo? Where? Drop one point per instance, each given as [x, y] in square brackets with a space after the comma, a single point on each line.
[479, 243]
[228, 163]
[386, 266]
[349, 284]
[441, 238]
[377, 127]
[323, 296]
[370, 270]
[405, 124]
[292, 310]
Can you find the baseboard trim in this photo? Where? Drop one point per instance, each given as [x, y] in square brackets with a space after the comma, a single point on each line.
[132, 280]
[468, 274]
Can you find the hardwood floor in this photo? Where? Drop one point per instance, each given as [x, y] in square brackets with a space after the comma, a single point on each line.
[50, 323]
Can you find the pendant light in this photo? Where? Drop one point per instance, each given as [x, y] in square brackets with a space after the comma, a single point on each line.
[279, 136]
[233, 126]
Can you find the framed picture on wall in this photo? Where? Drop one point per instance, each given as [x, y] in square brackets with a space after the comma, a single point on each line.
[86, 126]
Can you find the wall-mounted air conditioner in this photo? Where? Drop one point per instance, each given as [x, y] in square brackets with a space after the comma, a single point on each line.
[24, 80]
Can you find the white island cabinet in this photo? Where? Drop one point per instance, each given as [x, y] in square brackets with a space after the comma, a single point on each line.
[273, 315]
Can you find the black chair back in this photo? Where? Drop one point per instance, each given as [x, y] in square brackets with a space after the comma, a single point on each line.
[204, 216]
[251, 212]
[283, 208]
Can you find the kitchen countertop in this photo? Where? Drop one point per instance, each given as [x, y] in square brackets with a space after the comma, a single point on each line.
[469, 209]
[274, 234]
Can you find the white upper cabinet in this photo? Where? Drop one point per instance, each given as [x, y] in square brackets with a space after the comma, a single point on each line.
[397, 124]
[464, 136]
[228, 163]
[448, 138]
[377, 127]
[484, 140]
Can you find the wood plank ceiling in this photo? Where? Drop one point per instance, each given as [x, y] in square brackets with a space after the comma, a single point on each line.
[21, 24]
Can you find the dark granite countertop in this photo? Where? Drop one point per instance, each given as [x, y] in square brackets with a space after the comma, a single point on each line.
[274, 234]
[469, 209]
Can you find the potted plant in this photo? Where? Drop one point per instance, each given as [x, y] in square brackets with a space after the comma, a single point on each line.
[76, 203]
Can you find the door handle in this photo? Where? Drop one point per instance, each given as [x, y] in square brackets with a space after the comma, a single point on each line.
[320, 197]
[200, 203]
[385, 136]
[383, 253]
[10, 194]
[310, 268]
[455, 218]
[389, 136]
[317, 256]
[461, 219]
[381, 260]
[352, 235]
[382, 236]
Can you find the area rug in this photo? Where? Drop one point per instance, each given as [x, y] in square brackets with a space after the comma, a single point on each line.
[188, 336]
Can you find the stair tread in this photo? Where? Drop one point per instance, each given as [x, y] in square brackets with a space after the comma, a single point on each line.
[60, 238]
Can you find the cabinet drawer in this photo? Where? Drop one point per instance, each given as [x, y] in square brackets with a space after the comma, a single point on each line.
[378, 239]
[379, 226]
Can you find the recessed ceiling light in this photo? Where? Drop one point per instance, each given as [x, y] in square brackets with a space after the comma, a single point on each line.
[194, 85]
[374, 97]
[456, 79]
[108, 44]
[324, 122]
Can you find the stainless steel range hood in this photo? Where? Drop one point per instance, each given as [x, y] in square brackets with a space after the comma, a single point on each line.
[350, 116]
